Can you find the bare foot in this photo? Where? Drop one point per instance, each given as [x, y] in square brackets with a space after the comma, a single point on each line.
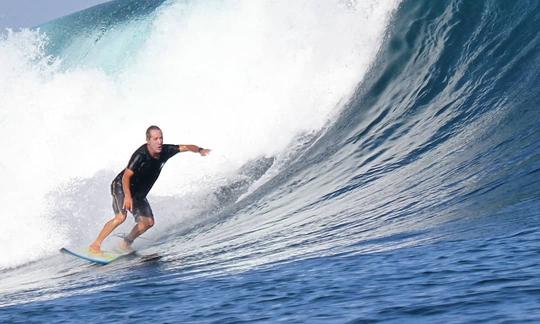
[95, 248]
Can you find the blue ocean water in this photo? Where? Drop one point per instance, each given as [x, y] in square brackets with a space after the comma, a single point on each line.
[417, 202]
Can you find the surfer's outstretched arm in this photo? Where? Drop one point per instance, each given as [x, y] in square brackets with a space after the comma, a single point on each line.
[194, 148]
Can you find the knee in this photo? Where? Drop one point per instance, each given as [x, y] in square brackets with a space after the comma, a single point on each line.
[147, 222]
[119, 219]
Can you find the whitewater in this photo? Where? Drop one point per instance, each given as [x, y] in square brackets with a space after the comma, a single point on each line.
[372, 161]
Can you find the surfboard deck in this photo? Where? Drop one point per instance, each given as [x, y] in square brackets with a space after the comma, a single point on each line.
[103, 258]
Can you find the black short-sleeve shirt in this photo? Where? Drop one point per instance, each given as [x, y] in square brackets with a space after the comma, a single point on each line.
[146, 169]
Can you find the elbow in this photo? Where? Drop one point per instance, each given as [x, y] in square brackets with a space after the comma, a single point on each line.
[127, 175]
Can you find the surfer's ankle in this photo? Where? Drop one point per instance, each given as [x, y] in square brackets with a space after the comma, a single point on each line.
[125, 244]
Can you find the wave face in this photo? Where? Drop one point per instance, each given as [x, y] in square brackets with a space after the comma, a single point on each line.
[345, 135]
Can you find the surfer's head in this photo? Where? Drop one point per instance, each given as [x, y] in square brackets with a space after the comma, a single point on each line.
[154, 139]
[150, 129]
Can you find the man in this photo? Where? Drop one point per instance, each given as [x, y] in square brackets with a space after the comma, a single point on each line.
[130, 187]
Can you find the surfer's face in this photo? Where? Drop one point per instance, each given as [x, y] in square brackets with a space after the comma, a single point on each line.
[155, 141]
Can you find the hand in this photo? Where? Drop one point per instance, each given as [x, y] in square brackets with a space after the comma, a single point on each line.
[204, 152]
[128, 203]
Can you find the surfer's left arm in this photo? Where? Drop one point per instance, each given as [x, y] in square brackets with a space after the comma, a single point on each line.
[194, 149]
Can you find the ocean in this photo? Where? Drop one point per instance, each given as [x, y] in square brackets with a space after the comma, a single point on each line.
[372, 161]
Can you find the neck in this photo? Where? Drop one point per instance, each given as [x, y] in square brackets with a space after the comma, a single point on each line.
[153, 154]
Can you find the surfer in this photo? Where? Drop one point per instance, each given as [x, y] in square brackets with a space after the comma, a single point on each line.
[130, 187]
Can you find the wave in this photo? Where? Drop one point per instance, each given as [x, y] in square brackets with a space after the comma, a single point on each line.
[438, 141]
[337, 127]
[249, 80]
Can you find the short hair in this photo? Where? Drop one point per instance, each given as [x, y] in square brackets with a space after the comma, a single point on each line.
[151, 128]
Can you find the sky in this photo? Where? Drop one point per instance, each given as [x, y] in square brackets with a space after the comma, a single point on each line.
[29, 13]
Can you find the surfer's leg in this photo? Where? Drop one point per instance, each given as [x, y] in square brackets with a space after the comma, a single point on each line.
[119, 218]
[106, 231]
[143, 224]
[144, 218]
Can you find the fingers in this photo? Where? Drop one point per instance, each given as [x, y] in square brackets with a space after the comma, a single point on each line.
[128, 204]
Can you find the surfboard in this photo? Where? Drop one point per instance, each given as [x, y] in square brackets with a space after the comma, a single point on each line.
[103, 258]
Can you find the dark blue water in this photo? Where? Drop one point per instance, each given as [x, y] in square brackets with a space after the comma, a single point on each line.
[419, 203]
[491, 280]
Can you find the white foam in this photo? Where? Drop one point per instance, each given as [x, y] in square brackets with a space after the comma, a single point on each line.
[241, 77]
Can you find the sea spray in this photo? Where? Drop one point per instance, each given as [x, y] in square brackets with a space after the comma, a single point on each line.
[243, 78]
